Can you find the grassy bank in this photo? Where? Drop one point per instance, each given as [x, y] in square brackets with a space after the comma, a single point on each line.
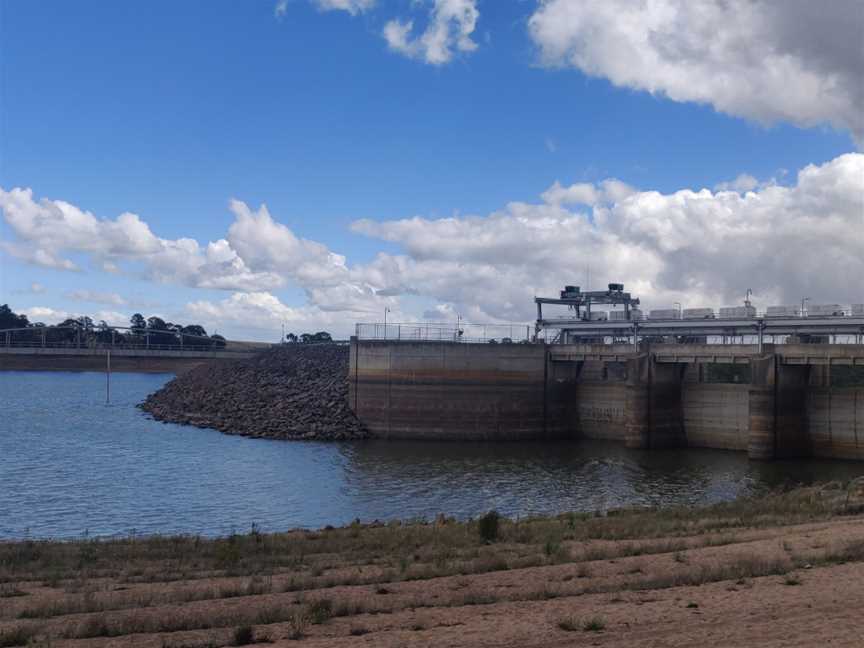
[349, 582]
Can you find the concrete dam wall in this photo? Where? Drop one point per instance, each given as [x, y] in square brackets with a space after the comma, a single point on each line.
[447, 391]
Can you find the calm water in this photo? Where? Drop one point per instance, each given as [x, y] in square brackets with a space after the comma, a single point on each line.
[71, 465]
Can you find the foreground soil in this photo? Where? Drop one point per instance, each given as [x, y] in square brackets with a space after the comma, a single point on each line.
[784, 570]
[297, 391]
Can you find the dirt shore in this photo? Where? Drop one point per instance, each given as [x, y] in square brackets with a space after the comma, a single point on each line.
[784, 570]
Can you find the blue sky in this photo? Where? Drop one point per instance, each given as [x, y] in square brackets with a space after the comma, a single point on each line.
[168, 110]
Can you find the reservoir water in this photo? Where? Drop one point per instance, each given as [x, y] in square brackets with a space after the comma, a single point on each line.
[72, 466]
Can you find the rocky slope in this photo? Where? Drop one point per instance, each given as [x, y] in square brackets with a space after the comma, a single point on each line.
[291, 392]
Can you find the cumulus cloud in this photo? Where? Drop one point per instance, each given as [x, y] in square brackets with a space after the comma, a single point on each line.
[744, 182]
[52, 316]
[450, 26]
[700, 247]
[266, 313]
[586, 193]
[96, 297]
[271, 247]
[47, 230]
[258, 254]
[351, 6]
[766, 60]
[692, 246]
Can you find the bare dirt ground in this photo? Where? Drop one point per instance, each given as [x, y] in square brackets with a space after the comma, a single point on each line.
[784, 570]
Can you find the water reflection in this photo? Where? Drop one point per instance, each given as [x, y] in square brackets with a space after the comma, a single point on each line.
[70, 464]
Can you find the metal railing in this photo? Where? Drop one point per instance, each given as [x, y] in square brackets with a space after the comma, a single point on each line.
[438, 332]
[95, 338]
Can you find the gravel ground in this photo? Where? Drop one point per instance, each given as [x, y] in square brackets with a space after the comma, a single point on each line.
[291, 392]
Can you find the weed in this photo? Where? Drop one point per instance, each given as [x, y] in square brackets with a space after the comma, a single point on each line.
[792, 579]
[8, 591]
[488, 527]
[569, 624]
[243, 636]
[594, 624]
[297, 623]
[319, 611]
[18, 636]
[357, 631]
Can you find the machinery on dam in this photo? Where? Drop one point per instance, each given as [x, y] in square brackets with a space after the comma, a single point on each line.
[585, 323]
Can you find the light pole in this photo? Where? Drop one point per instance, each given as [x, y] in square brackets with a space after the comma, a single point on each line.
[803, 301]
[386, 310]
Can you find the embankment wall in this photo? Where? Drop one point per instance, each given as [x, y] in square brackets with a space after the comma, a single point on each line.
[447, 391]
[95, 360]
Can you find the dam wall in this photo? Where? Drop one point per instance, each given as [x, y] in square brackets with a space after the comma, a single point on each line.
[122, 360]
[428, 390]
[447, 391]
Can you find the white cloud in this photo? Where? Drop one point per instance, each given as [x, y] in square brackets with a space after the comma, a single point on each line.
[351, 6]
[451, 24]
[743, 183]
[96, 297]
[586, 193]
[270, 247]
[265, 314]
[766, 60]
[49, 229]
[694, 247]
[53, 316]
[37, 256]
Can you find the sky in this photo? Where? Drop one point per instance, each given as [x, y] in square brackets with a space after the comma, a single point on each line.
[311, 163]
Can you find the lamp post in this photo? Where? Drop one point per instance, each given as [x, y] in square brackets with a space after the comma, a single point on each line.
[386, 310]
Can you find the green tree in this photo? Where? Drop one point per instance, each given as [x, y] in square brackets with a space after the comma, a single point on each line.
[10, 319]
[138, 324]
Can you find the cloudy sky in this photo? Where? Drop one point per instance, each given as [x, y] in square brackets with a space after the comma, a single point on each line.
[313, 162]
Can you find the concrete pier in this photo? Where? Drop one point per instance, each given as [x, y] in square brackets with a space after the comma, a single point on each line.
[652, 397]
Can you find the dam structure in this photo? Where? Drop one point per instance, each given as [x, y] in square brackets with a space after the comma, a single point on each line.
[667, 383]
[68, 348]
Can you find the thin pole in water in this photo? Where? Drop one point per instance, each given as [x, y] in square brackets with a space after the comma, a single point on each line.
[108, 377]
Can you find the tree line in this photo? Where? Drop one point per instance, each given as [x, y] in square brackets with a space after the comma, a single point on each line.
[308, 338]
[84, 331]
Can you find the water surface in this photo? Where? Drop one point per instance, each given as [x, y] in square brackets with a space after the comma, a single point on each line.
[72, 465]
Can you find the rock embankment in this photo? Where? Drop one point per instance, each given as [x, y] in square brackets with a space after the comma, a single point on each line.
[291, 392]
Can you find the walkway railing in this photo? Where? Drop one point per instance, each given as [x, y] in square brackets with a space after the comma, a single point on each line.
[114, 337]
[437, 332]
